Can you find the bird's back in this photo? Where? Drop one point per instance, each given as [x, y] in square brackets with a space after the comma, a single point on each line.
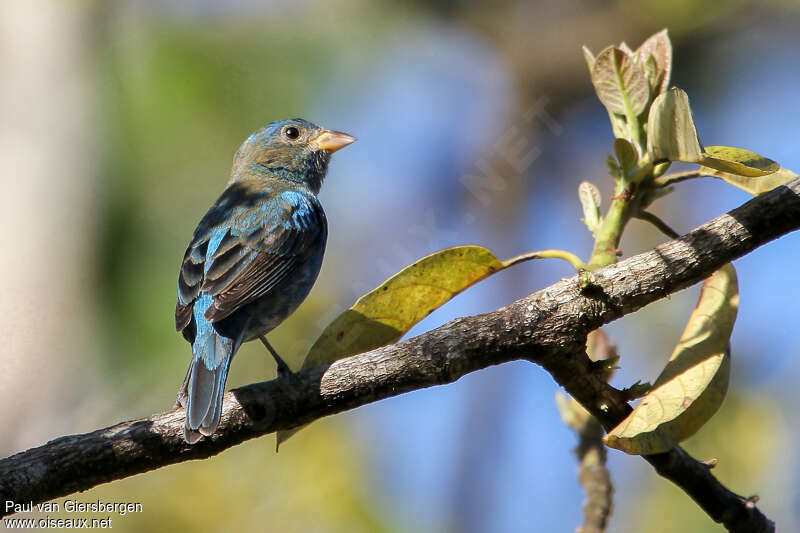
[261, 242]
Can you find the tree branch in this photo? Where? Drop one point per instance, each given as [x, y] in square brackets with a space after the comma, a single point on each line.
[591, 452]
[592, 472]
[548, 327]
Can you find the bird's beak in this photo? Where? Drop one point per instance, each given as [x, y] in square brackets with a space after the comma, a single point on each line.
[331, 140]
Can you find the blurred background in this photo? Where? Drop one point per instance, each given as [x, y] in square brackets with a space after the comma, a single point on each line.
[475, 124]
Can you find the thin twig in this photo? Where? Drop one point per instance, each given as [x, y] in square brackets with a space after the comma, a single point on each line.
[668, 179]
[591, 451]
[657, 222]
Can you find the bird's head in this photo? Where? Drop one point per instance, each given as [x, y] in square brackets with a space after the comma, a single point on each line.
[293, 149]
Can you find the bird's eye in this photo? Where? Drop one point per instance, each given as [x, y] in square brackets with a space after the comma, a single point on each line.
[292, 132]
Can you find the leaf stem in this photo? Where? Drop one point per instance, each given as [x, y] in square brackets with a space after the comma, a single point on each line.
[569, 257]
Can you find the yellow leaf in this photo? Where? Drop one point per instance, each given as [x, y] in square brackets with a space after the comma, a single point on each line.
[693, 384]
[384, 314]
[737, 161]
[753, 185]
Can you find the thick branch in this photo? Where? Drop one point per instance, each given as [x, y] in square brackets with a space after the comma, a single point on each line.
[549, 327]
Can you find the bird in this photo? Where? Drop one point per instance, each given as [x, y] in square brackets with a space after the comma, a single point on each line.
[253, 258]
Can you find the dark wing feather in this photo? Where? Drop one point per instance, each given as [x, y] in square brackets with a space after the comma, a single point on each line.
[253, 249]
[189, 280]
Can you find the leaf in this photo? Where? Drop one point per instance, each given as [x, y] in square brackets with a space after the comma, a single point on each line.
[652, 73]
[602, 351]
[589, 57]
[619, 82]
[659, 47]
[738, 161]
[671, 133]
[625, 48]
[613, 166]
[384, 314]
[599, 347]
[590, 203]
[619, 127]
[755, 185]
[693, 384]
[626, 152]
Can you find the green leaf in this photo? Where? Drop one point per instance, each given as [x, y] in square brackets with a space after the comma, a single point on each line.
[659, 48]
[693, 384]
[756, 185]
[590, 203]
[619, 126]
[384, 314]
[614, 169]
[627, 154]
[671, 133]
[738, 161]
[619, 82]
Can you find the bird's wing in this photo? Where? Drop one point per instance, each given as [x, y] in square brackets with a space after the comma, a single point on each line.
[240, 253]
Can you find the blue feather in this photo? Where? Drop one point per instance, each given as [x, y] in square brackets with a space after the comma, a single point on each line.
[211, 358]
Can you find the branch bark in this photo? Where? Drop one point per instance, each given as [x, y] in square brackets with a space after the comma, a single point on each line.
[548, 327]
[591, 452]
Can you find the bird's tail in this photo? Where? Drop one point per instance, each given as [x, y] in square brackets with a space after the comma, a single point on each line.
[204, 385]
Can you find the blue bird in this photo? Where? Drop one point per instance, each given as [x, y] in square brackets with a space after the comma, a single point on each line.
[253, 259]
